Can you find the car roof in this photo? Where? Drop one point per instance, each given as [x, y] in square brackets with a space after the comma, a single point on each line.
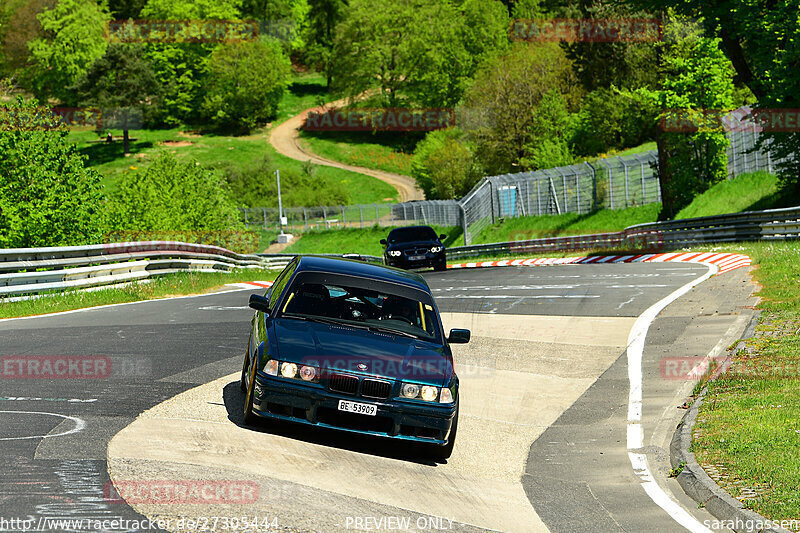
[352, 267]
[401, 228]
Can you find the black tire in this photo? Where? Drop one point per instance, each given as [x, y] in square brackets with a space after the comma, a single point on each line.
[249, 417]
[441, 265]
[442, 453]
[243, 379]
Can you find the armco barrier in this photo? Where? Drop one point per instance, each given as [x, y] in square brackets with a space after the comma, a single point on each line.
[771, 224]
[25, 271]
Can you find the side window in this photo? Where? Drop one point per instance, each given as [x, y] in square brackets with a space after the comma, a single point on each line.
[280, 283]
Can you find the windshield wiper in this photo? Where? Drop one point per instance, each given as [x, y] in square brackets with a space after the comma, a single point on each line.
[325, 320]
[394, 331]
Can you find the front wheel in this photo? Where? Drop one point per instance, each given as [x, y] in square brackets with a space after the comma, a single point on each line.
[441, 265]
[249, 417]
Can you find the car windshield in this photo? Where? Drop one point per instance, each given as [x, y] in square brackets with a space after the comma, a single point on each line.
[376, 308]
[412, 234]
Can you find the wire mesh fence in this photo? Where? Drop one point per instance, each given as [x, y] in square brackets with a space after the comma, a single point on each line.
[608, 183]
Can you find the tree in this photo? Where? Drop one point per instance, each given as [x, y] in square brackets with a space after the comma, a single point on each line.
[696, 77]
[762, 41]
[74, 37]
[126, 9]
[415, 50]
[323, 16]
[173, 195]
[444, 165]
[245, 83]
[123, 81]
[47, 196]
[179, 67]
[518, 102]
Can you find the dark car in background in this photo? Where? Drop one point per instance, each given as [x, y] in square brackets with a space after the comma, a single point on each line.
[414, 247]
[355, 347]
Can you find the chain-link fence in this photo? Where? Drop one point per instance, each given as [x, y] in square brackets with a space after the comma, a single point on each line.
[609, 183]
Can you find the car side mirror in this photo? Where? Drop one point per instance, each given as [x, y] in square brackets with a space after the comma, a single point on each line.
[442, 237]
[458, 336]
[259, 303]
[383, 241]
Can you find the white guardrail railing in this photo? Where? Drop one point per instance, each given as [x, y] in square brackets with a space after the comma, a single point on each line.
[771, 224]
[27, 271]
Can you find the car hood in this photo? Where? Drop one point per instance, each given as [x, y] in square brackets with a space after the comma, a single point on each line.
[347, 349]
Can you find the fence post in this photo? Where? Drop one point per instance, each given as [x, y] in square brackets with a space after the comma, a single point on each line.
[305, 218]
[626, 181]
[594, 186]
[264, 210]
[577, 192]
[344, 217]
[325, 217]
[361, 212]
[464, 226]
[564, 184]
[377, 217]
[644, 191]
[491, 199]
[610, 182]
[391, 214]
[246, 225]
[538, 197]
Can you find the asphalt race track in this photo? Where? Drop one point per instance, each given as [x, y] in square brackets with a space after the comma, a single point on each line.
[541, 444]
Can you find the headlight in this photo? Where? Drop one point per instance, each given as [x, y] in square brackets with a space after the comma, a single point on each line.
[308, 373]
[288, 370]
[272, 367]
[446, 396]
[410, 390]
[436, 249]
[429, 394]
[394, 253]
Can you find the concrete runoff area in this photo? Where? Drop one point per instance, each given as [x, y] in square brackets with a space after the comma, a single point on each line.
[544, 391]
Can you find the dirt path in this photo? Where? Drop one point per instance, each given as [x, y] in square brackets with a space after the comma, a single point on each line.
[285, 138]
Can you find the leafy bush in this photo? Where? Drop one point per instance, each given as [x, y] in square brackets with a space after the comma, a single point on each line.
[245, 83]
[609, 120]
[47, 196]
[173, 195]
[257, 186]
[444, 165]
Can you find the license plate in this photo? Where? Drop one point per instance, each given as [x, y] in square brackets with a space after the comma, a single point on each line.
[358, 408]
[416, 258]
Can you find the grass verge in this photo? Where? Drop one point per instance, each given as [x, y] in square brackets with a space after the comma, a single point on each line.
[183, 283]
[387, 151]
[746, 192]
[747, 427]
[523, 228]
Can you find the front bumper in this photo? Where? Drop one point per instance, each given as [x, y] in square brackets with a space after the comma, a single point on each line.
[313, 405]
[429, 260]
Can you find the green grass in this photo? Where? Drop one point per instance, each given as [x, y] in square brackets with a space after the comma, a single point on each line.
[161, 287]
[387, 151]
[524, 228]
[646, 147]
[305, 90]
[748, 421]
[356, 240]
[219, 151]
[747, 192]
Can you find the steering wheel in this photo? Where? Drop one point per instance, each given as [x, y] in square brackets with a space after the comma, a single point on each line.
[397, 317]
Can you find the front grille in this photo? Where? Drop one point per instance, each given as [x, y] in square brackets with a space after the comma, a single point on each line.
[343, 383]
[416, 251]
[372, 388]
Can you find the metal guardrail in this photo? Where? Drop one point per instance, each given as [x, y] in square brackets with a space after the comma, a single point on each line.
[771, 224]
[36, 270]
[25, 271]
